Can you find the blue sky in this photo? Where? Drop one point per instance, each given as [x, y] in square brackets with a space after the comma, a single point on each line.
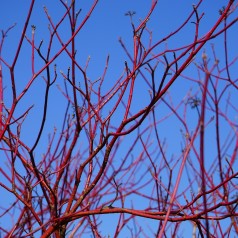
[98, 39]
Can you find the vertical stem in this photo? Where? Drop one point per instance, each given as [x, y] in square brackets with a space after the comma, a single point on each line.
[1, 98]
[202, 145]
[73, 24]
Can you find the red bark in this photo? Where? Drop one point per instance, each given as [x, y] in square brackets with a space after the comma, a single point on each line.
[115, 147]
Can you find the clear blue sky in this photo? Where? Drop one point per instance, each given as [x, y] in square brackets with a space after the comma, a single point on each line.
[98, 39]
